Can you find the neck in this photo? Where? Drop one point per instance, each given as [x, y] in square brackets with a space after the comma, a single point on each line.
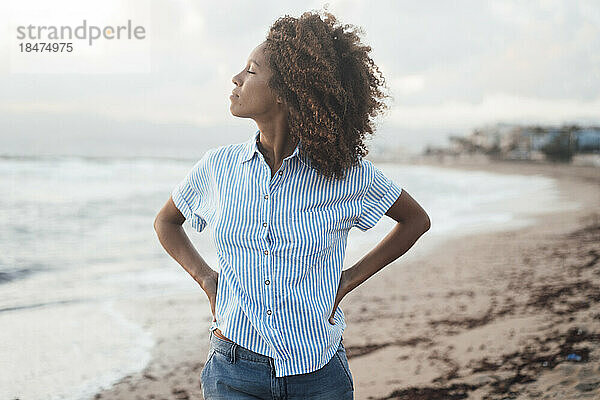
[276, 146]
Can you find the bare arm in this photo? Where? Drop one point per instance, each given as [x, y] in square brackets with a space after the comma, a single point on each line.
[412, 222]
[168, 227]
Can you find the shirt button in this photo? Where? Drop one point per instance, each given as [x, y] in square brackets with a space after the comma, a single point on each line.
[266, 196]
[269, 312]
[280, 172]
[266, 251]
[264, 224]
[267, 282]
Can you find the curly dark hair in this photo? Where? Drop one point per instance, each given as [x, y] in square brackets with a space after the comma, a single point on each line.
[330, 85]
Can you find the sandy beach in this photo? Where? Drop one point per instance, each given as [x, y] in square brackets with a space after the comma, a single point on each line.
[500, 315]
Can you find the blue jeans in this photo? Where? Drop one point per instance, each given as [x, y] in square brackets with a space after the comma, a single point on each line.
[233, 372]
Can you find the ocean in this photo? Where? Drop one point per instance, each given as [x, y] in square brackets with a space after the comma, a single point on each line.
[77, 241]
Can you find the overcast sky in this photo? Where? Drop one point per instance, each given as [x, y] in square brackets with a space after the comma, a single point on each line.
[450, 66]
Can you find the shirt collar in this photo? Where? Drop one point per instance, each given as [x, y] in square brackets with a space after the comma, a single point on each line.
[251, 147]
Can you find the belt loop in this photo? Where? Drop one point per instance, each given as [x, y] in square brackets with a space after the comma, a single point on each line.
[233, 347]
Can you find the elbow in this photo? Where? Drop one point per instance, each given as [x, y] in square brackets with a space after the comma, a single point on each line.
[162, 220]
[156, 223]
[426, 223]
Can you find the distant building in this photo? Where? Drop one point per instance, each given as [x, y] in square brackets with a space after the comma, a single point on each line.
[530, 142]
[588, 140]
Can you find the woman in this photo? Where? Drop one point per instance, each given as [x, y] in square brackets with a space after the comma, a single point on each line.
[280, 206]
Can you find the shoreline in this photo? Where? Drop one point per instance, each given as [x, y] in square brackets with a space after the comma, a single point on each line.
[553, 169]
[418, 329]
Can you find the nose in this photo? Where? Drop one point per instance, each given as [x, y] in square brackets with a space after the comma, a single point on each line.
[236, 80]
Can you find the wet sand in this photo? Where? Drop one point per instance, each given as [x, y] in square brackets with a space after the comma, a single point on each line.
[500, 315]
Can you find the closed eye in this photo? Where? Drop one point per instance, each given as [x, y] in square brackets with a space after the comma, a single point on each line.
[250, 72]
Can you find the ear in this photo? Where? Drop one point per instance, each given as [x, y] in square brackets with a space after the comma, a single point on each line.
[279, 99]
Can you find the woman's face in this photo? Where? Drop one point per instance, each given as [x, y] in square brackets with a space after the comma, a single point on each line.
[252, 97]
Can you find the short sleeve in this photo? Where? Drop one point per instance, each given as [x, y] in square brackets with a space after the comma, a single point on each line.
[191, 193]
[381, 193]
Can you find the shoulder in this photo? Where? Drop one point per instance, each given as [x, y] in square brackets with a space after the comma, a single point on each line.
[363, 171]
[369, 178]
[229, 151]
[219, 161]
[222, 153]
[365, 165]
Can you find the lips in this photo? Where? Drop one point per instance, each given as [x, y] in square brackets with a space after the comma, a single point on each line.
[235, 94]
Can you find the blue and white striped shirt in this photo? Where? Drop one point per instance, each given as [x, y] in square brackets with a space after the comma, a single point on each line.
[280, 243]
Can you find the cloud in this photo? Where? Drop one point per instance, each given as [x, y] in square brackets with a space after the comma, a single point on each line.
[447, 64]
[408, 84]
[495, 107]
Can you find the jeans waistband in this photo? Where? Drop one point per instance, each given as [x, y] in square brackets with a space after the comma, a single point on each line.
[233, 350]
